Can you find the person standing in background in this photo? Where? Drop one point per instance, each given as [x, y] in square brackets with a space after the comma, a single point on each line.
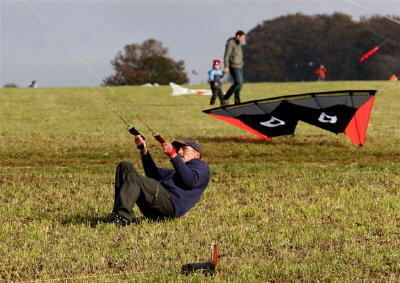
[233, 62]
[215, 76]
[320, 73]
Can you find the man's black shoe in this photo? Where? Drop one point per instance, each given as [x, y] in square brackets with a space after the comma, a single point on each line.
[118, 220]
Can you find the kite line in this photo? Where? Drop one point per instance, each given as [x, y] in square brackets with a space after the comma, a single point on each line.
[372, 10]
[131, 129]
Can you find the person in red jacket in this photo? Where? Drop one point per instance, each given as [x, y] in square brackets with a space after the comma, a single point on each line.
[320, 73]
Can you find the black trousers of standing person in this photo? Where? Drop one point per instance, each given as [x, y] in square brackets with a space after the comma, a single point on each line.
[153, 200]
[216, 92]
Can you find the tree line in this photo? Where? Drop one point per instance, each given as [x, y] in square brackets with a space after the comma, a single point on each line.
[290, 48]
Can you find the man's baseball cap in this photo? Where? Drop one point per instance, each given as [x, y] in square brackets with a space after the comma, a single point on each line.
[193, 144]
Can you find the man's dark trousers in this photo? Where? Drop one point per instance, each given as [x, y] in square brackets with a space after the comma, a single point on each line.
[153, 200]
[237, 76]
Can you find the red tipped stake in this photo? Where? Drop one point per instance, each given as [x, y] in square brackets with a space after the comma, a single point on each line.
[214, 253]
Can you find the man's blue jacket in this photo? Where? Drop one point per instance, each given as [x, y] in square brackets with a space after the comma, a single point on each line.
[186, 182]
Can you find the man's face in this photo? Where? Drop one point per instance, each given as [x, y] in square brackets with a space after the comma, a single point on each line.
[187, 153]
[241, 38]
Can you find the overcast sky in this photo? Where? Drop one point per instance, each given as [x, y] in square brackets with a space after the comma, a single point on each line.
[71, 43]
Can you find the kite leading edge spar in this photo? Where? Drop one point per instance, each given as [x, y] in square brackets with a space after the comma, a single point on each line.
[345, 112]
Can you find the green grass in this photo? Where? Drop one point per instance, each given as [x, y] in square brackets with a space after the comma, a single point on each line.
[306, 207]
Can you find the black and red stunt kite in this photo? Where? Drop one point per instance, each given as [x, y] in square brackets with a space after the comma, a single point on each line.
[336, 111]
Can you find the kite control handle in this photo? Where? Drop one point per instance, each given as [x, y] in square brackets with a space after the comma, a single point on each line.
[135, 132]
[159, 138]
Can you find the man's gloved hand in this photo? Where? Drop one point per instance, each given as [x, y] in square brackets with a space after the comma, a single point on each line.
[141, 144]
[169, 150]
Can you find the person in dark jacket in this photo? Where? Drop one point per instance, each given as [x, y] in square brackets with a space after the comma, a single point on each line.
[215, 76]
[163, 193]
[233, 62]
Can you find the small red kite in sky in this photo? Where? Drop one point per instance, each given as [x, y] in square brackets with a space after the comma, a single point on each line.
[370, 52]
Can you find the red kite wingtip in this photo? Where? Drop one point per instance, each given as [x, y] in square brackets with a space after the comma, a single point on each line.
[356, 130]
[241, 125]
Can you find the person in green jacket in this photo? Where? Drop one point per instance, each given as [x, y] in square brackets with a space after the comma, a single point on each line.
[233, 62]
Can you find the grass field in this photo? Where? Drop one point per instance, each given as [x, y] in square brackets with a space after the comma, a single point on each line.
[306, 207]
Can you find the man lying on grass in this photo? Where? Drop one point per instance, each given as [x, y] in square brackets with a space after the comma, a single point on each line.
[164, 193]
